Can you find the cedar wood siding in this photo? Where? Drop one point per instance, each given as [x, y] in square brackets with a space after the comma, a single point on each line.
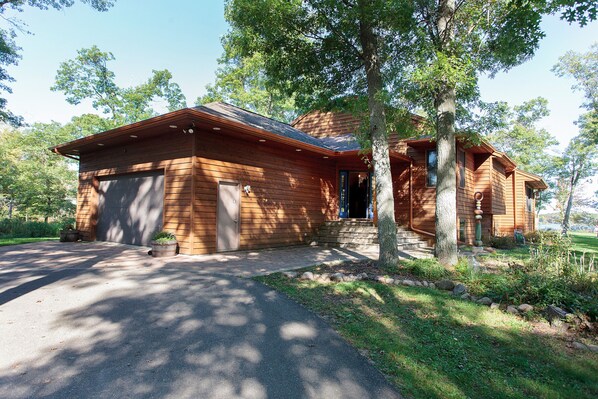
[172, 155]
[465, 200]
[291, 193]
[483, 176]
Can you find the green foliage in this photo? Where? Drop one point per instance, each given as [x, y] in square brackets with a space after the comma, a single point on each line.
[18, 228]
[9, 51]
[241, 81]
[164, 237]
[87, 77]
[502, 242]
[425, 268]
[583, 67]
[34, 182]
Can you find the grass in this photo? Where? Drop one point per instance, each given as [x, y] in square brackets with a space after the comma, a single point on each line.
[15, 241]
[584, 242]
[432, 345]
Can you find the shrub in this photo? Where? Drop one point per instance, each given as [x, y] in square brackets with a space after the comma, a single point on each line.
[502, 242]
[164, 237]
[17, 228]
[425, 268]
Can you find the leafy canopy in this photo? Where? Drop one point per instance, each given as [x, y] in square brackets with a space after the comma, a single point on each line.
[87, 77]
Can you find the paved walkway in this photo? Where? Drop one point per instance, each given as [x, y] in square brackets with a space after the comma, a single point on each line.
[99, 320]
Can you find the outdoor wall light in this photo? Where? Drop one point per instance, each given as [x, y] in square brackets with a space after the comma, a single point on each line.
[247, 189]
[190, 129]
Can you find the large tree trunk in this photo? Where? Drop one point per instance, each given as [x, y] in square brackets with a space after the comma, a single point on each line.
[565, 224]
[385, 206]
[446, 185]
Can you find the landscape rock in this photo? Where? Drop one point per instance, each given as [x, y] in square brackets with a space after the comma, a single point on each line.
[579, 345]
[512, 309]
[408, 283]
[426, 284]
[337, 277]
[494, 305]
[290, 274]
[432, 285]
[419, 284]
[459, 289]
[490, 250]
[525, 307]
[485, 301]
[446, 285]
[364, 276]
[554, 312]
[559, 326]
[593, 348]
[307, 276]
[465, 296]
[325, 277]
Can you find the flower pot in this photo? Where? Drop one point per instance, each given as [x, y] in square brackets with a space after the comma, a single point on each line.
[164, 250]
[69, 235]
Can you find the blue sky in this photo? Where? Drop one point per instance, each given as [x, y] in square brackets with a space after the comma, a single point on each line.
[184, 37]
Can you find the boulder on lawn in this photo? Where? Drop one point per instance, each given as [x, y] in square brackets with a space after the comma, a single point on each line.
[485, 301]
[465, 296]
[494, 305]
[408, 283]
[290, 274]
[512, 309]
[337, 277]
[459, 289]
[525, 308]
[554, 312]
[446, 285]
[307, 276]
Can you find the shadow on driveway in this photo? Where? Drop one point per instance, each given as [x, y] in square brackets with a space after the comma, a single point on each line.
[126, 326]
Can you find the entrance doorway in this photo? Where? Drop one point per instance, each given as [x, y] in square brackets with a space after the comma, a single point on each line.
[356, 195]
[229, 202]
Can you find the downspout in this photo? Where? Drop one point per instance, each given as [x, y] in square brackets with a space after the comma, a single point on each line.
[427, 233]
[514, 202]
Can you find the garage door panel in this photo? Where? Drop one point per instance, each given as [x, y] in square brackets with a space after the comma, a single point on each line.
[130, 208]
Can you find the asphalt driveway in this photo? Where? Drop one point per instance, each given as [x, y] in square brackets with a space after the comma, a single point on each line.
[97, 320]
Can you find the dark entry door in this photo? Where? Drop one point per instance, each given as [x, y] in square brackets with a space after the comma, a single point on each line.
[229, 202]
[130, 208]
[355, 195]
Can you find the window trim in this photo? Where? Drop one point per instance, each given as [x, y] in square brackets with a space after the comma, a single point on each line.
[461, 168]
[428, 169]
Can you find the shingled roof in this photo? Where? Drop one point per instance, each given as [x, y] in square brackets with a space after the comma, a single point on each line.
[236, 114]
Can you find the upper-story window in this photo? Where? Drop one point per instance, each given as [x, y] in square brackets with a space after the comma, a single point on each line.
[431, 166]
[461, 164]
[529, 201]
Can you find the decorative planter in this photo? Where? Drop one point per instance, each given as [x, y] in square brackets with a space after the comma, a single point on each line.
[164, 250]
[69, 235]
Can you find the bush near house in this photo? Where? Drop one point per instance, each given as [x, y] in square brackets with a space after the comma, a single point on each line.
[18, 228]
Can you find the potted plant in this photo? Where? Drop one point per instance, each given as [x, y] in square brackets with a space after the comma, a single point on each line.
[164, 244]
[69, 234]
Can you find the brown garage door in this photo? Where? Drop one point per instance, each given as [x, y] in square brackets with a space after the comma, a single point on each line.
[130, 208]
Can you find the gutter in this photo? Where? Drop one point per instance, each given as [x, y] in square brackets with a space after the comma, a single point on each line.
[55, 150]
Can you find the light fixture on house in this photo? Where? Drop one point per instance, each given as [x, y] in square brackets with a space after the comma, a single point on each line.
[216, 128]
[262, 140]
[325, 157]
[133, 136]
[190, 129]
[247, 189]
[298, 149]
[173, 126]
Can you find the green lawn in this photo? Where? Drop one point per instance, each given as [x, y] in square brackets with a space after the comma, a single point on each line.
[432, 345]
[16, 241]
[587, 242]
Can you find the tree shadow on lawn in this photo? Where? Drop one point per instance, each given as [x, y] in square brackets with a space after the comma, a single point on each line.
[434, 346]
[174, 333]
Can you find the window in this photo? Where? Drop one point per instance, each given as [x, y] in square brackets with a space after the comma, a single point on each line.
[462, 232]
[529, 203]
[461, 164]
[431, 164]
